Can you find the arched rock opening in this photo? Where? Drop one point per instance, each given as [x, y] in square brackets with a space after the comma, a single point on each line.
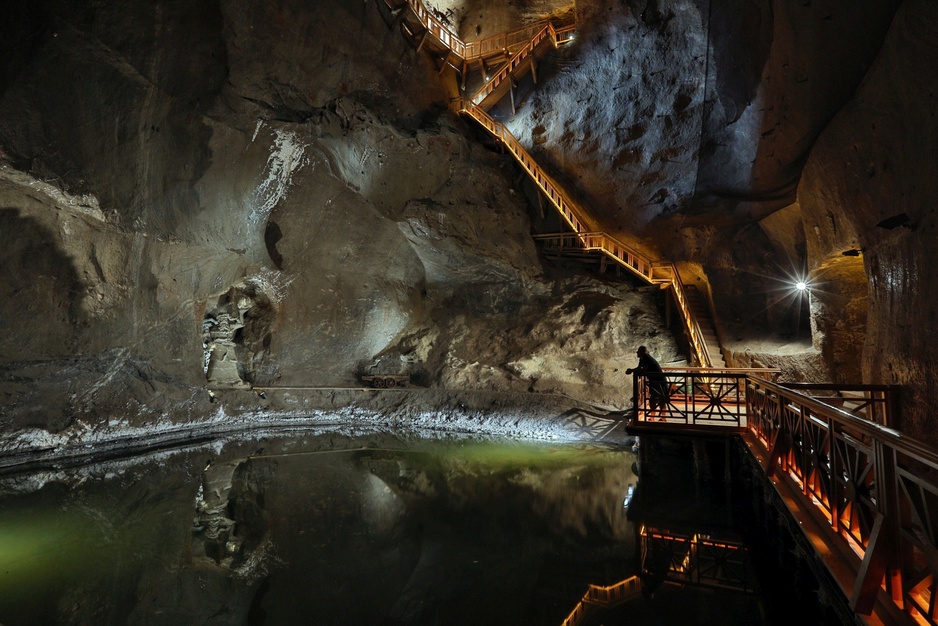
[839, 300]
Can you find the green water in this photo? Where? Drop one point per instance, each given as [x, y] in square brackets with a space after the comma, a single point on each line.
[321, 530]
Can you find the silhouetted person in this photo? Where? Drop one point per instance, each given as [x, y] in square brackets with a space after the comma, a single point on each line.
[657, 382]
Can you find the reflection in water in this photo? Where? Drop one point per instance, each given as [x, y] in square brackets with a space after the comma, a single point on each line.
[294, 531]
[315, 531]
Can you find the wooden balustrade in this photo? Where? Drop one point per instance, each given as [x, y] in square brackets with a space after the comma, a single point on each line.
[876, 403]
[516, 61]
[571, 214]
[501, 44]
[699, 399]
[651, 271]
[875, 488]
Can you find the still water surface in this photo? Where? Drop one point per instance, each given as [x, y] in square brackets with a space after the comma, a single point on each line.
[335, 530]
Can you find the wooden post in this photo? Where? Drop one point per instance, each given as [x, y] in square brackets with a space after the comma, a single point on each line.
[667, 311]
[534, 69]
[423, 39]
[882, 550]
[511, 93]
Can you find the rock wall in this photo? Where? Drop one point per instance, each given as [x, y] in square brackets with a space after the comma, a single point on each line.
[869, 188]
[236, 196]
[275, 194]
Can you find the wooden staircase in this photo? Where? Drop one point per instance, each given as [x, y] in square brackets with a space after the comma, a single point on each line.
[435, 37]
[523, 61]
[701, 311]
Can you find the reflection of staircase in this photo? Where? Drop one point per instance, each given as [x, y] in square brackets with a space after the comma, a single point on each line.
[434, 37]
[604, 597]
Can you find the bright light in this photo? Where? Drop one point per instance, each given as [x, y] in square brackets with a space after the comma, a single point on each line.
[801, 285]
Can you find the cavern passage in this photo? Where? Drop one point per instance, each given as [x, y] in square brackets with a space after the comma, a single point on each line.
[236, 194]
[239, 194]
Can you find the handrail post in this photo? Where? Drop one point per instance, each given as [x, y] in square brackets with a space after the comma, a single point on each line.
[635, 399]
[882, 550]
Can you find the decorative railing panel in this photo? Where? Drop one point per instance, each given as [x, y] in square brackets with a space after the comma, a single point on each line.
[696, 559]
[694, 397]
[877, 489]
[876, 403]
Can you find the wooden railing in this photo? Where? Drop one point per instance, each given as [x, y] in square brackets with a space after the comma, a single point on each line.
[520, 57]
[605, 597]
[631, 259]
[875, 488]
[702, 398]
[501, 44]
[876, 403]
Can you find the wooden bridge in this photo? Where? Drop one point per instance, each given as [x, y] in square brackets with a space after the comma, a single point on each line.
[865, 496]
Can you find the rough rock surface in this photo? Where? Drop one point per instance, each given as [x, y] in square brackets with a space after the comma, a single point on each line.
[869, 188]
[240, 193]
[238, 198]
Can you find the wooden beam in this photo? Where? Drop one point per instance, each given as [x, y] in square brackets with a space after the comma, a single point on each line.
[780, 448]
[534, 69]
[511, 93]
[872, 570]
[423, 39]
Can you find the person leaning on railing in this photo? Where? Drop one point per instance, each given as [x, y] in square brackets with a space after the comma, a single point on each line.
[657, 382]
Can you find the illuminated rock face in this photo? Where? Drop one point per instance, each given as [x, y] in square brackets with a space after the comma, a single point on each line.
[256, 193]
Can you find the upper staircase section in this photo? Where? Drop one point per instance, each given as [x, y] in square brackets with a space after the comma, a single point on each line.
[420, 23]
[521, 62]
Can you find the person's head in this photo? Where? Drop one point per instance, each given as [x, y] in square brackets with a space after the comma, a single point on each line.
[642, 351]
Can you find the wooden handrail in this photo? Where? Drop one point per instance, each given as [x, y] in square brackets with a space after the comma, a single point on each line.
[501, 43]
[575, 217]
[875, 487]
[516, 60]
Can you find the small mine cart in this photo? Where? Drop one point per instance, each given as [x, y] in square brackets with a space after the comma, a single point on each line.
[387, 381]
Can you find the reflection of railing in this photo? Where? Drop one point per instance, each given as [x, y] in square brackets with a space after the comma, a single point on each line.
[696, 397]
[695, 559]
[875, 488]
[604, 596]
[876, 403]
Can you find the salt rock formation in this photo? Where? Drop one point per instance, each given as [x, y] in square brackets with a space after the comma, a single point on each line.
[243, 193]
[235, 196]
